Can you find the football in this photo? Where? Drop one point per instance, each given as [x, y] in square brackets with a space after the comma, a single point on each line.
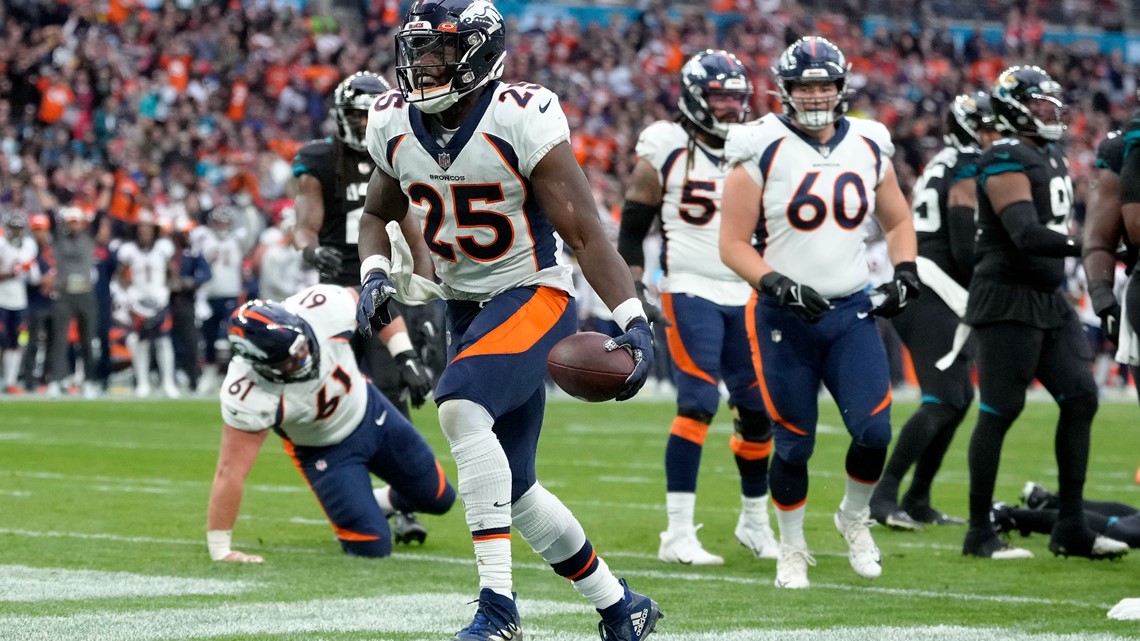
[582, 367]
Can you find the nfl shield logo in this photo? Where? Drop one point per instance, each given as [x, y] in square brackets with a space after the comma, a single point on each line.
[444, 160]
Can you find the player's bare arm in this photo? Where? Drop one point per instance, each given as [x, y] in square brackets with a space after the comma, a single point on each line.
[1005, 189]
[310, 208]
[894, 216]
[384, 202]
[1011, 196]
[564, 195]
[643, 198]
[739, 216]
[421, 256]
[238, 452]
[1104, 227]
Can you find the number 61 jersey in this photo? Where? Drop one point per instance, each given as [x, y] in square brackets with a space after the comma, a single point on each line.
[318, 412]
[815, 197]
[471, 188]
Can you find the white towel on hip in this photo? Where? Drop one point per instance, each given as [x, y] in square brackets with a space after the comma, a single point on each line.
[411, 288]
[1128, 346]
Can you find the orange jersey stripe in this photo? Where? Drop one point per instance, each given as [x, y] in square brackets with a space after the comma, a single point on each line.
[524, 328]
[677, 350]
[749, 451]
[690, 429]
[758, 364]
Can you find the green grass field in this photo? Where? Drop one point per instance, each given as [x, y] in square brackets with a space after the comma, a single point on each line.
[102, 518]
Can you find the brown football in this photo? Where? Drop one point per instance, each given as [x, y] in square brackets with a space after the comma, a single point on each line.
[582, 367]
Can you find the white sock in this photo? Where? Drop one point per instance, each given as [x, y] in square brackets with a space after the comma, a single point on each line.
[754, 510]
[484, 484]
[792, 526]
[857, 500]
[384, 499]
[680, 507]
[11, 366]
[140, 358]
[164, 350]
[601, 588]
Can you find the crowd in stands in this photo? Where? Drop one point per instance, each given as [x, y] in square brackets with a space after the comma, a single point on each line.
[170, 113]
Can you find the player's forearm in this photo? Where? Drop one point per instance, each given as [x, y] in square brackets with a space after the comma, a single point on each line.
[606, 272]
[302, 238]
[225, 502]
[373, 239]
[741, 257]
[902, 243]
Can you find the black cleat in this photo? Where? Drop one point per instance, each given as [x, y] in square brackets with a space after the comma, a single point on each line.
[929, 516]
[1004, 523]
[891, 515]
[406, 528]
[986, 545]
[1071, 538]
[1035, 497]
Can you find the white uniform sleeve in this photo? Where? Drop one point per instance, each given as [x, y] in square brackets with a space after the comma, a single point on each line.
[536, 127]
[742, 148]
[877, 133]
[246, 405]
[378, 131]
[329, 309]
[655, 142]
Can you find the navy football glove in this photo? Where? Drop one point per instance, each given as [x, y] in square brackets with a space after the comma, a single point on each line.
[805, 302]
[414, 376]
[903, 288]
[638, 339]
[325, 260]
[375, 293]
[652, 313]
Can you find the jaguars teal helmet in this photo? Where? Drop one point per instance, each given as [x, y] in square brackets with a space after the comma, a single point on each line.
[714, 72]
[1028, 102]
[812, 59]
[969, 114]
[278, 344]
[447, 49]
[352, 99]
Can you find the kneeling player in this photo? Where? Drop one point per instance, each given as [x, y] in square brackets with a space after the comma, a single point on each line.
[294, 373]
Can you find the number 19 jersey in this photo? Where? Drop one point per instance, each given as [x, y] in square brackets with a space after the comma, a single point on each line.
[815, 197]
[692, 178]
[471, 188]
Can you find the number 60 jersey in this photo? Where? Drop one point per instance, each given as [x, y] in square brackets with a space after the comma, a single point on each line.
[318, 412]
[471, 188]
[815, 197]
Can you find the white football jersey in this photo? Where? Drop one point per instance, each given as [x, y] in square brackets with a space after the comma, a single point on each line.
[814, 197]
[318, 412]
[148, 270]
[690, 215]
[16, 256]
[280, 270]
[472, 195]
[224, 253]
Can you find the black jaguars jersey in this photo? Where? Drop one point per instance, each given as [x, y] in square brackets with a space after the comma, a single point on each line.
[930, 207]
[343, 197]
[998, 259]
[1110, 156]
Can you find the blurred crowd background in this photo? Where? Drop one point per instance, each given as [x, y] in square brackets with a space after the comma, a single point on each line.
[187, 113]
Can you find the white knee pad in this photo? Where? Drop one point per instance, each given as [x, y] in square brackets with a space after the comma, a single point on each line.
[547, 525]
[460, 418]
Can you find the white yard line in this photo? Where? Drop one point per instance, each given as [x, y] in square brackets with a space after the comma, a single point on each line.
[22, 583]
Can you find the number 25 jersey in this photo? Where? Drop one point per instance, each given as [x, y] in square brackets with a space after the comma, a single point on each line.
[814, 197]
[472, 191]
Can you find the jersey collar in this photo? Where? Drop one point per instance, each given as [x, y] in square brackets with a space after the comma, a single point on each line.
[450, 151]
[842, 126]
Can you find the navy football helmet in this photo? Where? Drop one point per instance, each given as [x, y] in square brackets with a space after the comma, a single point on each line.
[278, 344]
[812, 59]
[446, 49]
[1028, 102]
[714, 72]
[352, 99]
[969, 114]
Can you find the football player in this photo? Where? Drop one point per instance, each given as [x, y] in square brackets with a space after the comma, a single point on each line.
[332, 179]
[223, 247]
[678, 178]
[144, 265]
[943, 205]
[17, 256]
[1025, 328]
[486, 168]
[1104, 237]
[795, 202]
[294, 373]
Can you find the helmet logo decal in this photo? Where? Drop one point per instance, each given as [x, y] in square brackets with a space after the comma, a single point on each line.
[482, 14]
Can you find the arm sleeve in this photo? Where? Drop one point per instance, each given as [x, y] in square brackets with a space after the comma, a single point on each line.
[1130, 174]
[960, 228]
[1020, 221]
[636, 219]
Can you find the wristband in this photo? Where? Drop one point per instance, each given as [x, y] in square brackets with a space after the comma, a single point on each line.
[625, 313]
[399, 343]
[375, 261]
[218, 543]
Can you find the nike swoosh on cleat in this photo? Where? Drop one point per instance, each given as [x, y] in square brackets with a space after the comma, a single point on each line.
[543, 108]
[383, 417]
